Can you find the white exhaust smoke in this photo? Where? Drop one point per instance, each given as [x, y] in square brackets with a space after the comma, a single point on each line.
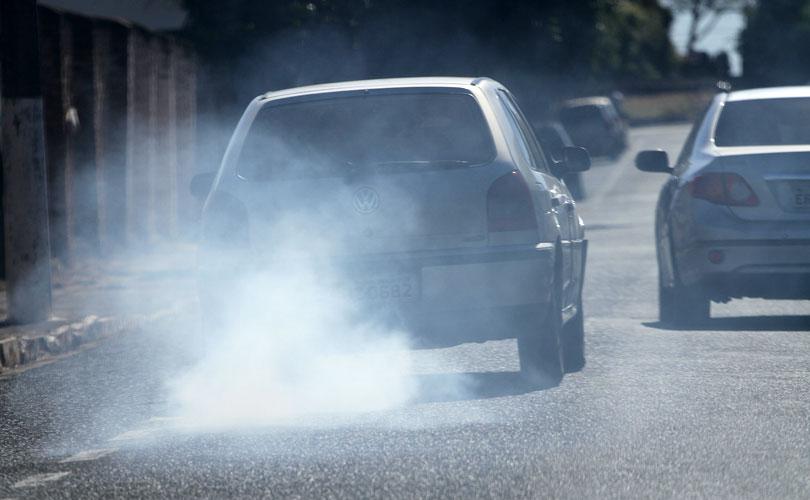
[293, 343]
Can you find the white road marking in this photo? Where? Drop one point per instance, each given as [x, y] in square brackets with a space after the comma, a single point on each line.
[165, 419]
[152, 426]
[134, 434]
[39, 479]
[87, 455]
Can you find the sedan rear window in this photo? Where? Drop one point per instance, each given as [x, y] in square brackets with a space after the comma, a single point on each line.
[764, 122]
[339, 135]
[580, 114]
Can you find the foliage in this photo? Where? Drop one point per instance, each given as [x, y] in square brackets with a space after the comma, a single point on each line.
[560, 45]
[634, 41]
[775, 45]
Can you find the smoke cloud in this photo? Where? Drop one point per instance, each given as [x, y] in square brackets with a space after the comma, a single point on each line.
[293, 341]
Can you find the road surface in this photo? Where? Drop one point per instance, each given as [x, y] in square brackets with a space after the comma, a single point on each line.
[722, 412]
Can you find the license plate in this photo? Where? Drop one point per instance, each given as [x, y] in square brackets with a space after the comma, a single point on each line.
[394, 288]
[800, 195]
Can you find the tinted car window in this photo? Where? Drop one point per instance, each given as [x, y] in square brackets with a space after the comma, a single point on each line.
[533, 154]
[335, 135]
[580, 114]
[764, 122]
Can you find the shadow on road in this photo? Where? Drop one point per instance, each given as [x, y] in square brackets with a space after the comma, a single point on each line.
[606, 227]
[743, 324]
[448, 387]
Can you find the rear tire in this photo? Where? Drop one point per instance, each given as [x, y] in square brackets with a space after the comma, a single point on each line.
[574, 342]
[539, 346]
[683, 306]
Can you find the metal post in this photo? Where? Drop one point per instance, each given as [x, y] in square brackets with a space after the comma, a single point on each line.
[25, 199]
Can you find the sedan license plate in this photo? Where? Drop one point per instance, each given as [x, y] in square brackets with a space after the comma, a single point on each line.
[388, 288]
[800, 195]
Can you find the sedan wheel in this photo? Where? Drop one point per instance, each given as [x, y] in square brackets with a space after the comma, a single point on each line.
[539, 346]
[683, 306]
[573, 341]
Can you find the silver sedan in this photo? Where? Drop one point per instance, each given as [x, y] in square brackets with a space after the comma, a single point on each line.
[733, 219]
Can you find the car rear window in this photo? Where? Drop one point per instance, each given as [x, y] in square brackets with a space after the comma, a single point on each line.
[579, 114]
[764, 122]
[338, 135]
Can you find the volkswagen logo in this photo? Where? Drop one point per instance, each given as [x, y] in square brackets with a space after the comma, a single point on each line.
[366, 200]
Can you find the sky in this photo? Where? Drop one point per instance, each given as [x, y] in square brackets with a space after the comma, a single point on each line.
[722, 39]
[164, 14]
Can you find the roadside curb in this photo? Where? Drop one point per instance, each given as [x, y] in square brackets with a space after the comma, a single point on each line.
[27, 344]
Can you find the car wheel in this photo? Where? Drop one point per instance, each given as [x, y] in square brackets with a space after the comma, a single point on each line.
[573, 339]
[683, 305]
[539, 346]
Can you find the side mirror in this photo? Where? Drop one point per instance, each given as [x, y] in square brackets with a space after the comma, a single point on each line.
[653, 160]
[576, 159]
[201, 185]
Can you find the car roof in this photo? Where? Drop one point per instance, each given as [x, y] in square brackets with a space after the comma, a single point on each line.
[586, 101]
[386, 83]
[769, 93]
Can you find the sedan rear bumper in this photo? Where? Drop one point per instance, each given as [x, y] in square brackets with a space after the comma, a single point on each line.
[477, 286]
[469, 294]
[748, 268]
[468, 278]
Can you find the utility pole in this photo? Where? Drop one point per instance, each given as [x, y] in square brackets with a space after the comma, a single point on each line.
[22, 151]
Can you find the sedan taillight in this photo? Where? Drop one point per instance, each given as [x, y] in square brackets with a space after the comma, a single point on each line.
[509, 204]
[723, 189]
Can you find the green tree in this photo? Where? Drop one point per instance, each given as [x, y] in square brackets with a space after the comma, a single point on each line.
[633, 41]
[539, 48]
[775, 45]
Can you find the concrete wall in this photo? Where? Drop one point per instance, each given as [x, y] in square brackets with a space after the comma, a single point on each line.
[120, 115]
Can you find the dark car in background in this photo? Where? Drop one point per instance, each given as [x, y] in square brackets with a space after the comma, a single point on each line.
[595, 124]
[554, 139]
[733, 219]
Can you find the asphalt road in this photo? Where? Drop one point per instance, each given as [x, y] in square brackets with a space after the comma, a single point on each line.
[722, 412]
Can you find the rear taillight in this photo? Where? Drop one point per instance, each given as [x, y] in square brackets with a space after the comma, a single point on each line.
[509, 204]
[723, 189]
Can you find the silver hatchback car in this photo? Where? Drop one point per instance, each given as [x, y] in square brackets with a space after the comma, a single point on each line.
[733, 220]
[431, 195]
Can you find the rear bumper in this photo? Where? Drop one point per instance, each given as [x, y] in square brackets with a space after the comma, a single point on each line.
[748, 268]
[469, 278]
[458, 283]
[731, 257]
[469, 294]
[707, 222]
